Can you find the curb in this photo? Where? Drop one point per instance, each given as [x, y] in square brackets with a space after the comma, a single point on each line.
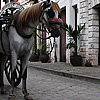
[69, 75]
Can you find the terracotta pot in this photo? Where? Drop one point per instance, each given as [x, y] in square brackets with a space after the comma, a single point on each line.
[44, 58]
[76, 60]
[34, 57]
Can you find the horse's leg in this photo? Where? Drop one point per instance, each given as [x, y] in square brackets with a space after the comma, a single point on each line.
[13, 63]
[2, 66]
[24, 62]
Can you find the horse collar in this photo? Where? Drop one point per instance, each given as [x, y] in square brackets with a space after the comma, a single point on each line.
[25, 36]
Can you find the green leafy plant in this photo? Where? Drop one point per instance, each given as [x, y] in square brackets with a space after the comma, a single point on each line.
[88, 63]
[43, 49]
[44, 56]
[74, 35]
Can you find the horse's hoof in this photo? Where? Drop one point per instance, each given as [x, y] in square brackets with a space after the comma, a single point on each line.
[11, 97]
[28, 97]
[4, 92]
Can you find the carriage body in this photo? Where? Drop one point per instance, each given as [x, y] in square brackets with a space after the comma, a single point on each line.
[6, 12]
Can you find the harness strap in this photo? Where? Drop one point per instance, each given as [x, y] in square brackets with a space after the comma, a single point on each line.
[13, 22]
[22, 34]
[25, 35]
[39, 30]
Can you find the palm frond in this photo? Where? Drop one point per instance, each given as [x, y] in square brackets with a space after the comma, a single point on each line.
[71, 45]
[74, 34]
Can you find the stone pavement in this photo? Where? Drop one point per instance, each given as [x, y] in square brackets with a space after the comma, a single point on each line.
[90, 74]
[47, 86]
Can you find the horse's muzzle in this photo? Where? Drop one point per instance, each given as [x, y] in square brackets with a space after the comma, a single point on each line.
[56, 22]
[55, 33]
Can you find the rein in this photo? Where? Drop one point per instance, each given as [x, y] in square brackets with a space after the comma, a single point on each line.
[39, 30]
[52, 46]
[43, 38]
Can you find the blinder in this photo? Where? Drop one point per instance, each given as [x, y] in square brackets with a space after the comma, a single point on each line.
[50, 13]
[46, 5]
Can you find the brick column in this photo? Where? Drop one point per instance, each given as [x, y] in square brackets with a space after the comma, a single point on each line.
[90, 37]
[93, 34]
[84, 34]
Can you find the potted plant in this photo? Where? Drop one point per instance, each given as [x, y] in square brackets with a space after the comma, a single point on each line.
[74, 35]
[44, 57]
[88, 63]
[35, 55]
[35, 52]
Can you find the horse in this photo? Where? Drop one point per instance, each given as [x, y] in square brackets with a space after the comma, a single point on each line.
[18, 41]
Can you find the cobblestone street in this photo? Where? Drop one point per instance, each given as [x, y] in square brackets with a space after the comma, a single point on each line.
[45, 86]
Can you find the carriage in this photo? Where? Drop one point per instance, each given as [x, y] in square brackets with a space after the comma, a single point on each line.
[16, 29]
[6, 12]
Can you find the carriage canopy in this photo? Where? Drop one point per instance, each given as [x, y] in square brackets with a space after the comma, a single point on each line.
[12, 5]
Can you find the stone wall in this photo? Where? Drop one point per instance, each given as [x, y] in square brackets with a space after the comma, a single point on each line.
[93, 35]
[84, 34]
[90, 37]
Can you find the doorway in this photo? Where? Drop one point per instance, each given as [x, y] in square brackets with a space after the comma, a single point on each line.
[63, 37]
[99, 39]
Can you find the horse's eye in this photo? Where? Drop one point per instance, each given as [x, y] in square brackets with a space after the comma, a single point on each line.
[51, 13]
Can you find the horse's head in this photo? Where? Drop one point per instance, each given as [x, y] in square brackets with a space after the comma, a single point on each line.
[50, 17]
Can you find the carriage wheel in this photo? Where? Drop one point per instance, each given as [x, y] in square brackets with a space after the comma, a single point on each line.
[17, 72]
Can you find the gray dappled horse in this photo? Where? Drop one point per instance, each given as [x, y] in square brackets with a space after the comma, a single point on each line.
[19, 40]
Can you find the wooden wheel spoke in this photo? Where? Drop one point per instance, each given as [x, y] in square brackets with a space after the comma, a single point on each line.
[9, 72]
[7, 66]
[17, 69]
[17, 75]
[18, 63]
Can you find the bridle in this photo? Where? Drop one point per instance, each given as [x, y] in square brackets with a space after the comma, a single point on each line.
[39, 29]
[50, 14]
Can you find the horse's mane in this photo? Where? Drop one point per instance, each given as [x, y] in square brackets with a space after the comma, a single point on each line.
[30, 14]
[33, 13]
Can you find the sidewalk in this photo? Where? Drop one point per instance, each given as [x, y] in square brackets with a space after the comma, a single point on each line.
[90, 74]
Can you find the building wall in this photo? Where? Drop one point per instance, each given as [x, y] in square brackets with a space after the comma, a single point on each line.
[70, 19]
[2, 4]
[93, 31]
[90, 37]
[84, 37]
[89, 41]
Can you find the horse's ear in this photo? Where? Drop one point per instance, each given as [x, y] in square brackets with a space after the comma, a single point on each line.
[46, 4]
